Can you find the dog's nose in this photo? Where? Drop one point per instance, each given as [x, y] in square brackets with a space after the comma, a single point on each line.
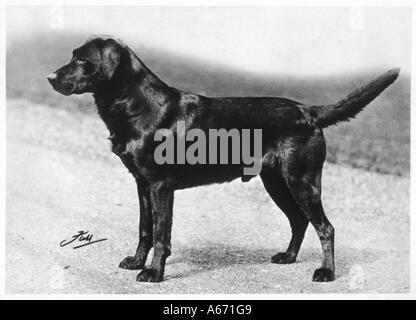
[51, 77]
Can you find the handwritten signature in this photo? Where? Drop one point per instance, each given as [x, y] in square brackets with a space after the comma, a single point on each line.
[81, 236]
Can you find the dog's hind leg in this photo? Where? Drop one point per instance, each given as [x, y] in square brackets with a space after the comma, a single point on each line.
[302, 168]
[145, 228]
[276, 186]
[308, 198]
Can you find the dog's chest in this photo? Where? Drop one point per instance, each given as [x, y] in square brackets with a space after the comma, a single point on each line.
[128, 150]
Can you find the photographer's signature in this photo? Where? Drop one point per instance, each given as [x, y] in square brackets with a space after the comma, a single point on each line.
[81, 236]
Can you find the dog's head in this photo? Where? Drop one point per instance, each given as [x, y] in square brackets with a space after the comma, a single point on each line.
[92, 63]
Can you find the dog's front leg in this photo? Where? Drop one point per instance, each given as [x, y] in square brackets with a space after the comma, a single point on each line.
[161, 196]
[146, 229]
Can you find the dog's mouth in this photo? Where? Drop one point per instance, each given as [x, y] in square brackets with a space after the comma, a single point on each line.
[65, 89]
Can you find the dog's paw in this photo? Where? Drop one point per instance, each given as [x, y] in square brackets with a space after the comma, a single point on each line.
[283, 258]
[131, 263]
[323, 275]
[149, 275]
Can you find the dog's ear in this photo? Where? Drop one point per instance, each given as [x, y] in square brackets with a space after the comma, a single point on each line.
[110, 59]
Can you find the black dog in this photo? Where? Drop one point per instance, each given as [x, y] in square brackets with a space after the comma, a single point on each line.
[134, 103]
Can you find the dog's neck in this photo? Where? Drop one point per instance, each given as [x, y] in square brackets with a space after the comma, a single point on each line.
[133, 91]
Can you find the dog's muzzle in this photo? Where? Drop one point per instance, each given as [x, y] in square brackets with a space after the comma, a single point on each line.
[65, 88]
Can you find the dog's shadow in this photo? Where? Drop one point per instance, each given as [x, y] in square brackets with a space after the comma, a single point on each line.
[189, 261]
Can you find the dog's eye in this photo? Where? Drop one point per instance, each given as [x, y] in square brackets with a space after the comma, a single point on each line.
[80, 60]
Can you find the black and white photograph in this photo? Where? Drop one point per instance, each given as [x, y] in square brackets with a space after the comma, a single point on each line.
[249, 150]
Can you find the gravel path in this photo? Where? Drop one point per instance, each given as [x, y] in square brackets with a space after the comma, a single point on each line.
[61, 178]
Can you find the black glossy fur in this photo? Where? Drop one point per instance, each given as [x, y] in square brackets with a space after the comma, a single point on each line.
[134, 103]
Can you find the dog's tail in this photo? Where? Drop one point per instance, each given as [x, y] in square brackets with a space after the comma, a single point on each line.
[347, 108]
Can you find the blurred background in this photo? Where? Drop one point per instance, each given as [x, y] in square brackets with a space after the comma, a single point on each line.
[62, 177]
[313, 55]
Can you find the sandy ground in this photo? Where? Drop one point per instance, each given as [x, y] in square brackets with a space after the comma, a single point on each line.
[61, 178]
